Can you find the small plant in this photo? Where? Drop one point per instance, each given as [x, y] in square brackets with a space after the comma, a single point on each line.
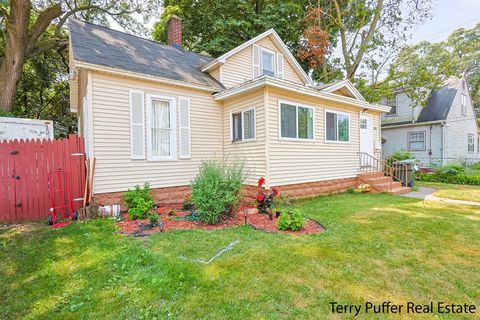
[188, 204]
[216, 189]
[171, 212]
[265, 201]
[291, 220]
[154, 218]
[451, 169]
[139, 201]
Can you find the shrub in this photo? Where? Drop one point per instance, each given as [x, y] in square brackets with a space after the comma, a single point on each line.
[139, 201]
[291, 220]
[216, 188]
[399, 156]
[451, 169]
[153, 218]
[448, 178]
[187, 204]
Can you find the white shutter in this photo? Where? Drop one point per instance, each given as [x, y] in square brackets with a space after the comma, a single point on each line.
[280, 68]
[184, 107]
[256, 60]
[137, 125]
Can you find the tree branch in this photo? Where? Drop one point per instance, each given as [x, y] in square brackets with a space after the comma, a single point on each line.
[41, 24]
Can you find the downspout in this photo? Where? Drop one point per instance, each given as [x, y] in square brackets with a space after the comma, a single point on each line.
[267, 139]
[443, 142]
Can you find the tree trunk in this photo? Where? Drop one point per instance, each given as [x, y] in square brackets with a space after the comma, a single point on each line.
[16, 46]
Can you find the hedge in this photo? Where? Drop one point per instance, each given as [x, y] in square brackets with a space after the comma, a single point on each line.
[448, 178]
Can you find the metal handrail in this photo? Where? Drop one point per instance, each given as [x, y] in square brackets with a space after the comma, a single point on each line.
[370, 164]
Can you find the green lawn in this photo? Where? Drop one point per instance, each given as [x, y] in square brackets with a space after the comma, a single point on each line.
[454, 191]
[376, 248]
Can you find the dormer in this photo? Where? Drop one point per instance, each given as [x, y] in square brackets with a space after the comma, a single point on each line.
[265, 54]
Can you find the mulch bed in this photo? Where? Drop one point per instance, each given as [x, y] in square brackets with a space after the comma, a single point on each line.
[258, 221]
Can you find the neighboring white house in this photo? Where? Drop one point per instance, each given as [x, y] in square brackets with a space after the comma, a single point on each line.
[445, 131]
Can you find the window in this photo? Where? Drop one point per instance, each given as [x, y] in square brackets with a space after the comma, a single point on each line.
[471, 143]
[296, 122]
[161, 128]
[392, 102]
[363, 123]
[243, 125]
[268, 62]
[416, 141]
[337, 126]
[464, 104]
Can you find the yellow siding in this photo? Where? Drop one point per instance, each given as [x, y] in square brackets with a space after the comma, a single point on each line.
[292, 162]
[115, 170]
[253, 152]
[216, 73]
[238, 68]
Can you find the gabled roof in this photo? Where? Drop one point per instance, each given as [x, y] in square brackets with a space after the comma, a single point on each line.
[277, 40]
[341, 85]
[100, 46]
[438, 105]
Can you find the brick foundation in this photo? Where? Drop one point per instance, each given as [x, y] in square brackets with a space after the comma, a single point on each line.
[249, 193]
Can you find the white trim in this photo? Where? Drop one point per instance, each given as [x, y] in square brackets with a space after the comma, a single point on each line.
[424, 140]
[386, 127]
[173, 123]
[90, 148]
[281, 74]
[296, 104]
[338, 133]
[132, 156]
[145, 76]
[180, 155]
[242, 112]
[300, 89]
[283, 47]
[345, 84]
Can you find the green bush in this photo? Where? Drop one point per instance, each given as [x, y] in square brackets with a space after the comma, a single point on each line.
[139, 201]
[399, 156]
[291, 220]
[448, 178]
[216, 189]
[451, 169]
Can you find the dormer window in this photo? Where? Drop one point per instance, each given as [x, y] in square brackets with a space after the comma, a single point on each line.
[392, 102]
[268, 62]
[464, 104]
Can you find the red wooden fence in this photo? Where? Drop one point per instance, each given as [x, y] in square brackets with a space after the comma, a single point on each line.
[24, 167]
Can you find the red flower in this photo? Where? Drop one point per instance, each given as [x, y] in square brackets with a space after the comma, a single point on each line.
[261, 181]
[260, 197]
[275, 192]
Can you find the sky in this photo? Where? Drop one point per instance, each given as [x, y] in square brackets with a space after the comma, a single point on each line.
[448, 15]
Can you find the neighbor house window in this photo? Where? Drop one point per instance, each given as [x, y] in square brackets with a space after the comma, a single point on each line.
[337, 126]
[296, 121]
[464, 104]
[268, 62]
[416, 141]
[392, 102]
[243, 125]
[471, 143]
[161, 128]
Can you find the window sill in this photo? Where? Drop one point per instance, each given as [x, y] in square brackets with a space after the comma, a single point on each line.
[242, 141]
[338, 142]
[296, 139]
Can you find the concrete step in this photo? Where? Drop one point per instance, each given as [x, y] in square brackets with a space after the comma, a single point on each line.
[386, 186]
[367, 175]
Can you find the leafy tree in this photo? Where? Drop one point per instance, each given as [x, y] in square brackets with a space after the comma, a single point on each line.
[215, 27]
[29, 28]
[425, 66]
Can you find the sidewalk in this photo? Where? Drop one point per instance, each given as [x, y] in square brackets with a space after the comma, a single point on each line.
[426, 193]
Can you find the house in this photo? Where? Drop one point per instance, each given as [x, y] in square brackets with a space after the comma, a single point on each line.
[444, 131]
[151, 112]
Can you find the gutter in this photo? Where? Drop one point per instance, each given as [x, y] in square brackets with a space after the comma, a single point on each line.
[386, 127]
[294, 87]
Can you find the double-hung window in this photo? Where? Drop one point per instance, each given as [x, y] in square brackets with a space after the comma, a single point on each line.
[268, 62]
[471, 143]
[337, 125]
[392, 102]
[296, 121]
[464, 104]
[243, 125]
[161, 128]
[416, 141]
